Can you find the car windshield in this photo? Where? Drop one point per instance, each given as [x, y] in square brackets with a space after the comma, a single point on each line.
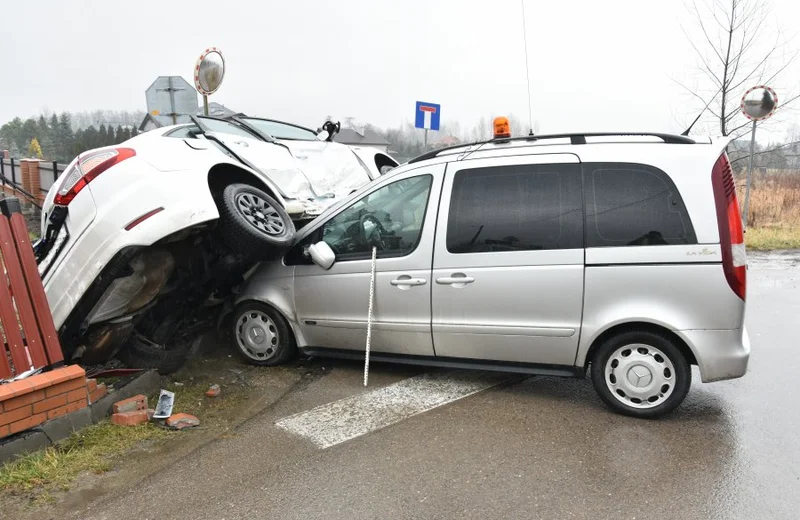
[280, 130]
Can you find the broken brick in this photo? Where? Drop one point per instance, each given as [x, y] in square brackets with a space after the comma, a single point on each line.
[213, 391]
[132, 404]
[180, 421]
[130, 418]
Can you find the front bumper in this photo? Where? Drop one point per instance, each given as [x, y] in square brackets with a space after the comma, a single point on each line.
[721, 354]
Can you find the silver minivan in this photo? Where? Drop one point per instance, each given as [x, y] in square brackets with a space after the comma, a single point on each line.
[540, 255]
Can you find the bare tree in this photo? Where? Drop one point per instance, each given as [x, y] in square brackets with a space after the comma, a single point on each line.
[736, 49]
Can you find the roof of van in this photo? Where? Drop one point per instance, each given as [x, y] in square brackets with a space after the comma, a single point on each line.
[578, 139]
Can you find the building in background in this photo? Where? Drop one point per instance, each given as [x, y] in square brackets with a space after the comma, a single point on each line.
[366, 137]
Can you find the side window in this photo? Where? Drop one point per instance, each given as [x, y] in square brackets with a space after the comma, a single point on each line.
[633, 205]
[390, 218]
[516, 208]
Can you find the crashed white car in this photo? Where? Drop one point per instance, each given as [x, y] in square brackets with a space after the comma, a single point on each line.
[142, 243]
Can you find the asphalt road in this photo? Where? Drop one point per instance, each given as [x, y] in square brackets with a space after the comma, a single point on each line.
[526, 448]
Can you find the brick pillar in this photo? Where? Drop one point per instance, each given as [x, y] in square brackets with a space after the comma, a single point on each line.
[25, 169]
[35, 177]
[6, 154]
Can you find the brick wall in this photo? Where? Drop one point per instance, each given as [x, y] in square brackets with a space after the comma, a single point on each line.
[30, 402]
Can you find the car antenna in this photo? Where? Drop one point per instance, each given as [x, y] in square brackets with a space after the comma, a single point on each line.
[527, 68]
[696, 119]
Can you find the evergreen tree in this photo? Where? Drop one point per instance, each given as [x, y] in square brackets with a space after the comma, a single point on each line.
[66, 138]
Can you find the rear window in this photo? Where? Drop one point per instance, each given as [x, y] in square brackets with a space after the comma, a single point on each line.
[633, 205]
[516, 208]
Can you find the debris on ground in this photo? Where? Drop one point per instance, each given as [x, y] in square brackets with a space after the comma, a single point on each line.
[130, 418]
[132, 404]
[179, 421]
[213, 391]
[166, 400]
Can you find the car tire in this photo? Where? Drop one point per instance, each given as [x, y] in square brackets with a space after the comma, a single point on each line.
[254, 224]
[641, 374]
[142, 353]
[260, 335]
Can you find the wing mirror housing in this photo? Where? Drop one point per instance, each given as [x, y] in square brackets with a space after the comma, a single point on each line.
[322, 255]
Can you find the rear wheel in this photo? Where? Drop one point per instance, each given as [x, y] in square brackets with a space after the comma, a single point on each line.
[261, 335]
[253, 223]
[641, 374]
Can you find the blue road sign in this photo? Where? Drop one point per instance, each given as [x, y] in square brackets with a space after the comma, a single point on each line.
[427, 115]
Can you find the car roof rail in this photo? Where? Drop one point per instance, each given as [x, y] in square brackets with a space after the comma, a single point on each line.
[575, 138]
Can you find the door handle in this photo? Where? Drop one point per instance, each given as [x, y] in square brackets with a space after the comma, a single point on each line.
[455, 280]
[409, 281]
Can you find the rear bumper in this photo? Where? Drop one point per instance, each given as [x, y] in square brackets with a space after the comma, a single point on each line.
[721, 354]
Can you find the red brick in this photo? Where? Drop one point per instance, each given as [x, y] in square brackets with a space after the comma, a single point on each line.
[98, 393]
[77, 395]
[132, 404]
[49, 404]
[6, 392]
[63, 388]
[180, 421]
[4, 431]
[129, 418]
[23, 400]
[15, 415]
[74, 371]
[91, 385]
[30, 422]
[40, 381]
[64, 410]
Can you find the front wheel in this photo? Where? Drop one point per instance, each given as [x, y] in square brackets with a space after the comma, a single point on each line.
[641, 374]
[253, 223]
[261, 335]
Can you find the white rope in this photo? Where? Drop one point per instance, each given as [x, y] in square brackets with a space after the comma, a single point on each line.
[369, 314]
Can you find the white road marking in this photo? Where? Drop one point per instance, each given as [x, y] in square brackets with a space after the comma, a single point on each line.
[333, 423]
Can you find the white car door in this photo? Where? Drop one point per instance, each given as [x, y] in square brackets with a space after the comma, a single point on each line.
[509, 260]
[332, 305]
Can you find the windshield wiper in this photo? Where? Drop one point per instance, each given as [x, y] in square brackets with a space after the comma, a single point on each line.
[266, 137]
[204, 131]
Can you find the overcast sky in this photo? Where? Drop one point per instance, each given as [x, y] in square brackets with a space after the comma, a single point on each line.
[595, 65]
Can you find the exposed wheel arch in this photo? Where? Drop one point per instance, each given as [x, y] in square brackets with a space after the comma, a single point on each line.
[222, 175]
[622, 328]
[382, 160]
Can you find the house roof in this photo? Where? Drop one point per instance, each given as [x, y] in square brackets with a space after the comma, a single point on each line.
[369, 137]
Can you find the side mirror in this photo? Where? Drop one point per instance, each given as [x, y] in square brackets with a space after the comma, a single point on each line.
[322, 255]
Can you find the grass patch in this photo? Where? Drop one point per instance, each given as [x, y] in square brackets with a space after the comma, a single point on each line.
[92, 449]
[767, 238]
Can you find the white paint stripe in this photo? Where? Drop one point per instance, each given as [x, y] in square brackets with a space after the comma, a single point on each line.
[340, 421]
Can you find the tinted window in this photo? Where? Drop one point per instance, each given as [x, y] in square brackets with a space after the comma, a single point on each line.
[633, 205]
[516, 208]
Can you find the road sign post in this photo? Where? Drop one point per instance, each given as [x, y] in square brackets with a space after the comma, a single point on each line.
[758, 103]
[427, 117]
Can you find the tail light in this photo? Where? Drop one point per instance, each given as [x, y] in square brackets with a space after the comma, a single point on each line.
[86, 169]
[729, 220]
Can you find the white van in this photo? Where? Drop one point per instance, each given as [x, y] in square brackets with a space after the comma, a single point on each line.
[541, 255]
